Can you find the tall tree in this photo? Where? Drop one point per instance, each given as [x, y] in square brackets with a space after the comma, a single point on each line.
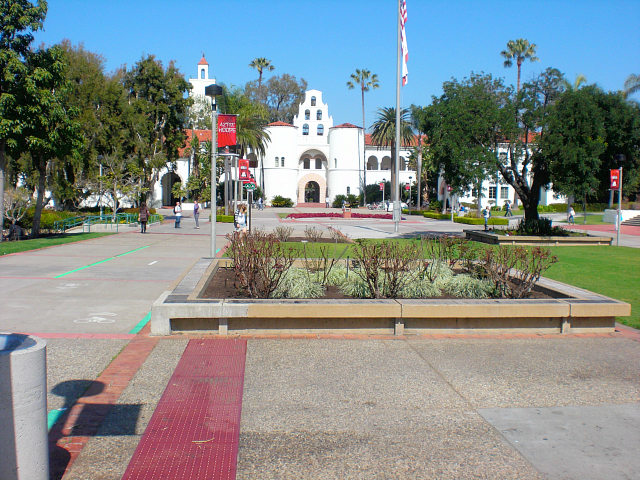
[261, 64]
[51, 130]
[366, 81]
[384, 134]
[476, 118]
[18, 20]
[281, 95]
[160, 109]
[519, 50]
[577, 84]
[574, 143]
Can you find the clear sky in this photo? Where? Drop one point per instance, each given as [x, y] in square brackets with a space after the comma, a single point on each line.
[325, 41]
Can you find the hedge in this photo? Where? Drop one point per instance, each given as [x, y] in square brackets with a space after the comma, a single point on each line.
[223, 218]
[480, 221]
[437, 216]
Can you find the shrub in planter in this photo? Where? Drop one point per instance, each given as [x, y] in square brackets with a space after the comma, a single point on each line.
[539, 227]
[279, 201]
[437, 216]
[298, 283]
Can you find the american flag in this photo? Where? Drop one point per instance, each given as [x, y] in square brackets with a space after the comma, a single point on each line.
[403, 36]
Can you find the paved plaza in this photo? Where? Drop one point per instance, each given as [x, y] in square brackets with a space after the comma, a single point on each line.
[320, 406]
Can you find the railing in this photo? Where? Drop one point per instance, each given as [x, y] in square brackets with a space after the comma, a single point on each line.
[105, 219]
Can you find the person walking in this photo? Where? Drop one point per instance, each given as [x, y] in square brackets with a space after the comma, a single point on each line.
[509, 212]
[178, 211]
[143, 217]
[241, 218]
[572, 214]
[486, 213]
[260, 204]
[196, 212]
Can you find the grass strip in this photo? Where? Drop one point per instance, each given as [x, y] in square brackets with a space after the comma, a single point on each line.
[7, 248]
[610, 271]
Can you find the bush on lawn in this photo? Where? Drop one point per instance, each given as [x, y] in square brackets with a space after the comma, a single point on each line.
[279, 201]
[480, 221]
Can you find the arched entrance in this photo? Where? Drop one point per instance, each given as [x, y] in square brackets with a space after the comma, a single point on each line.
[311, 186]
[168, 180]
[312, 192]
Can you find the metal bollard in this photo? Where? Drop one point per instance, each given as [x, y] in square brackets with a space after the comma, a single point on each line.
[24, 446]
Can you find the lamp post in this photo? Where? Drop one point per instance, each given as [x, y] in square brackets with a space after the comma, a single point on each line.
[213, 91]
[620, 159]
[410, 178]
[384, 185]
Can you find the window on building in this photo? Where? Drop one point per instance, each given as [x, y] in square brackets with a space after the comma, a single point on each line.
[348, 190]
[319, 115]
[335, 163]
[474, 192]
[202, 73]
[313, 101]
[318, 163]
[493, 192]
[320, 130]
[306, 164]
[277, 162]
[504, 192]
[282, 162]
[305, 129]
[307, 114]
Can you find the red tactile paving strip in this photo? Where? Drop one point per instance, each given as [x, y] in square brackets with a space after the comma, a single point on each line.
[71, 433]
[195, 429]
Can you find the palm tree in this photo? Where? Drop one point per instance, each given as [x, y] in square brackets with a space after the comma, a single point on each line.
[261, 64]
[519, 50]
[384, 134]
[580, 80]
[631, 85]
[367, 82]
[251, 122]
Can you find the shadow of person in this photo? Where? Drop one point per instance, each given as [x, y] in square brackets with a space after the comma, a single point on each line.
[82, 420]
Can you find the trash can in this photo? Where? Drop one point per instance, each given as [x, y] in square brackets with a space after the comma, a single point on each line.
[24, 447]
[346, 212]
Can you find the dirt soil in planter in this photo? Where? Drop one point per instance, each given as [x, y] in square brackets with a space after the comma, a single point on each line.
[223, 285]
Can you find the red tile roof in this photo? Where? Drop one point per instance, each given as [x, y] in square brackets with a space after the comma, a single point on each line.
[346, 125]
[203, 61]
[279, 124]
[203, 136]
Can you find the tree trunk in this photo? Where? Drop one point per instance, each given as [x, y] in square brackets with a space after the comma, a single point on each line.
[584, 203]
[610, 199]
[3, 163]
[42, 182]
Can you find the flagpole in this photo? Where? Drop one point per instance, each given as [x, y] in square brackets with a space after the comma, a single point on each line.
[396, 201]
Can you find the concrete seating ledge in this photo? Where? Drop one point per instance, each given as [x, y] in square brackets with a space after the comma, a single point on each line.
[574, 310]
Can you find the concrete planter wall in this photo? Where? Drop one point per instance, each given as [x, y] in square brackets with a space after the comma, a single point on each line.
[24, 446]
[572, 310]
[493, 239]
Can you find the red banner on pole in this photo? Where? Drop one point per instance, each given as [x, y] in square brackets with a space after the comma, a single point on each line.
[226, 130]
[615, 179]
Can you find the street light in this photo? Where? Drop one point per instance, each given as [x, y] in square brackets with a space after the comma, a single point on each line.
[620, 160]
[410, 178]
[213, 91]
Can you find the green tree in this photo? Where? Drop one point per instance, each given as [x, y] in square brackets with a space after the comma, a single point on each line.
[574, 142]
[160, 110]
[261, 64]
[519, 50]
[18, 20]
[365, 81]
[384, 133]
[577, 84]
[51, 130]
[281, 95]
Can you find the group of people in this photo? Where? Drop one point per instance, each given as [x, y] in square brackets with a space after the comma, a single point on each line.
[143, 216]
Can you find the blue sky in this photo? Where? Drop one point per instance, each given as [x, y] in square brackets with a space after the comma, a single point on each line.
[325, 41]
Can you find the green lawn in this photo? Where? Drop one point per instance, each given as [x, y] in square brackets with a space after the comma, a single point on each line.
[592, 219]
[25, 245]
[611, 271]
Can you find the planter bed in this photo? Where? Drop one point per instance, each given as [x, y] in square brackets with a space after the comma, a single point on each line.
[493, 239]
[571, 310]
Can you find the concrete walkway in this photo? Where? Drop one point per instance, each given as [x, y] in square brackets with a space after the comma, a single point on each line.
[369, 407]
